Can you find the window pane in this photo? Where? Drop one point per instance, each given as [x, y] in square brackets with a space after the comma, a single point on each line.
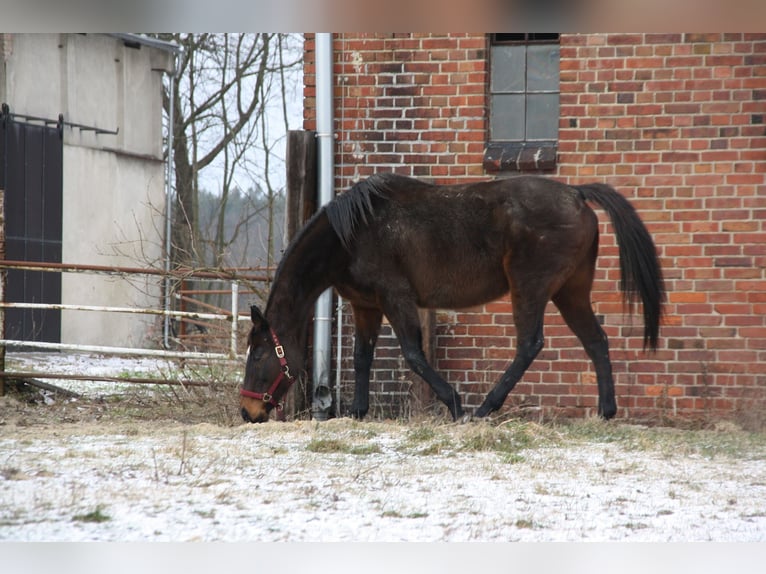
[507, 118]
[543, 68]
[542, 116]
[507, 70]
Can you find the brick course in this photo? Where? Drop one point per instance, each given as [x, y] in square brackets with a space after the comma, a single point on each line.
[676, 122]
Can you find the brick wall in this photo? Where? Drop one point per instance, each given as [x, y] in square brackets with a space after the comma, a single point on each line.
[675, 122]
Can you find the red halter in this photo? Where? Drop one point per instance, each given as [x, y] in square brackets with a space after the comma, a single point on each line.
[268, 396]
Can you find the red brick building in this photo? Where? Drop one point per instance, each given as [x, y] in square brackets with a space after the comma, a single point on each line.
[675, 122]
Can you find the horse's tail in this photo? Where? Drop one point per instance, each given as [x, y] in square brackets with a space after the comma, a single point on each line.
[640, 271]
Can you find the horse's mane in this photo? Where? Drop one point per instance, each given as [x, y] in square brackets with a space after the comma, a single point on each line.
[345, 212]
[351, 209]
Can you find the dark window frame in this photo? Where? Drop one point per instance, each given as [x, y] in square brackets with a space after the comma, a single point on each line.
[520, 154]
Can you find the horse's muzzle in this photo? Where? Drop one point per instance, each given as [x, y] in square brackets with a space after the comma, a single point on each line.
[259, 418]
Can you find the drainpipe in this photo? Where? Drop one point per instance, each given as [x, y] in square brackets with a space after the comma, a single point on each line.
[169, 205]
[322, 397]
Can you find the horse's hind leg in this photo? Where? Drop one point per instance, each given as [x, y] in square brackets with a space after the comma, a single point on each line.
[367, 326]
[573, 300]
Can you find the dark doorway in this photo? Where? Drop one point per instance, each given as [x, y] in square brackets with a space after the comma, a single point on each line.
[31, 173]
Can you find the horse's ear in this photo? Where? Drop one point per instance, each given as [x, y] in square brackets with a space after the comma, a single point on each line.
[257, 317]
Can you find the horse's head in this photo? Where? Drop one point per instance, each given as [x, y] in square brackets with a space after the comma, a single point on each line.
[267, 374]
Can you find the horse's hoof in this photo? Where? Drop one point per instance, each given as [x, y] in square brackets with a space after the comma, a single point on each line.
[465, 419]
[607, 413]
[482, 412]
[457, 415]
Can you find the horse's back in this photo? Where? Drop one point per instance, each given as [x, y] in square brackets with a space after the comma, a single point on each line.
[451, 245]
[481, 214]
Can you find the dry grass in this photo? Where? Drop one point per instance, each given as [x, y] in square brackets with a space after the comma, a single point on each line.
[217, 404]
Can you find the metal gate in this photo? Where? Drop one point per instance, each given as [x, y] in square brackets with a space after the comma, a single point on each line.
[31, 173]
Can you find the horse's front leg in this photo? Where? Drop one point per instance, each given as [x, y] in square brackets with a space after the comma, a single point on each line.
[366, 335]
[403, 315]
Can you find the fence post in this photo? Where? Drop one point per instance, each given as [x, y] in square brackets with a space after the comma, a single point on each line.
[234, 318]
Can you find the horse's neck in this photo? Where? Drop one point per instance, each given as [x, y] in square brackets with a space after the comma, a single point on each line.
[304, 274]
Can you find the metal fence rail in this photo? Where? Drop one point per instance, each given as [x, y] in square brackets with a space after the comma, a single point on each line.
[234, 277]
[137, 311]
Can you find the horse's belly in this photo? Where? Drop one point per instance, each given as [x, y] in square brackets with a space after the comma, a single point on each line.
[461, 288]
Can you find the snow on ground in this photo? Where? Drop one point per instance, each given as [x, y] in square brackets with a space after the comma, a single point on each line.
[124, 480]
[204, 482]
[86, 364]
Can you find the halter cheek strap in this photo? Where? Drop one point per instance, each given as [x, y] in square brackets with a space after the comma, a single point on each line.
[284, 373]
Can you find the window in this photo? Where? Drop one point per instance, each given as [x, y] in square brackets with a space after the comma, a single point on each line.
[523, 102]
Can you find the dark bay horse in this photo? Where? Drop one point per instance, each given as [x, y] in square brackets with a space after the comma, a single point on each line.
[392, 244]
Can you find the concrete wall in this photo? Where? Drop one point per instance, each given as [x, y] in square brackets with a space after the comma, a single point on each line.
[113, 192]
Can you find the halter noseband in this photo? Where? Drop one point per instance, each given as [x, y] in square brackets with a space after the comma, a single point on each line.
[284, 373]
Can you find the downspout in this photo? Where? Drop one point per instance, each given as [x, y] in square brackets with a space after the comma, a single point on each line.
[169, 204]
[322, 397]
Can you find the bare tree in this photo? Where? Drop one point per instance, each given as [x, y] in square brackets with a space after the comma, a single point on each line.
[226, 87]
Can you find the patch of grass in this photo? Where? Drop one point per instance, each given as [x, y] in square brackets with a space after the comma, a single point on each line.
[508, 438]
[335, 445]
[710, 443]
[526, 523]
[595, 430]
[542, 490]
[136, 374]
[420, 434]
[486, 438]
[425, 440]
[431, 449]
[397, 514]
[391, 514]
[364, 449]
[512, 458]
[96, 516]
[12, 473]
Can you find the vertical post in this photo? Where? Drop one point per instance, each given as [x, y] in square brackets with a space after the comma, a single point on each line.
[169, 208]
[234, 318]
[421, 395]
[322, 399]
[181, 334]
[2, 291]
[301, 165]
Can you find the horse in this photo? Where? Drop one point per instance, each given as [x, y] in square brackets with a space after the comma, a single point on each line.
[393, 244]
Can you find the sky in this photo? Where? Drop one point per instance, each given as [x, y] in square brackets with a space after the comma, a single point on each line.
[211, 178]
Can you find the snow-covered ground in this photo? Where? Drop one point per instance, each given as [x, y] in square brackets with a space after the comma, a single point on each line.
[267, 483]
[119, 479]
[90, 365]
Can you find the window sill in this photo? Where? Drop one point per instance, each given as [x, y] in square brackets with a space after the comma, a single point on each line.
[520, 156]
